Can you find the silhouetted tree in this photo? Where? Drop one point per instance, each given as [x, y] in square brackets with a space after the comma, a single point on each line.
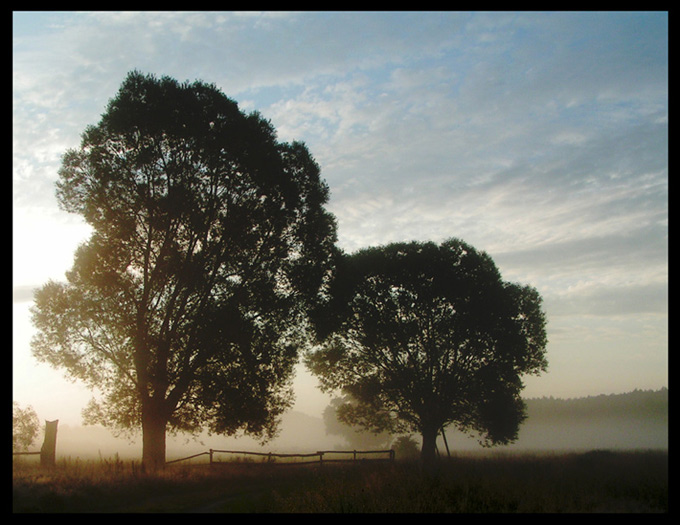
[426, 336]
[186, 306]
[405, 448]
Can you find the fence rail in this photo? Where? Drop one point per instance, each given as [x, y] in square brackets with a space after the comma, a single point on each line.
[306, 459]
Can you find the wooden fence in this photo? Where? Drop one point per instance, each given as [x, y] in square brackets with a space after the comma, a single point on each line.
[47, 453]
[320, 457]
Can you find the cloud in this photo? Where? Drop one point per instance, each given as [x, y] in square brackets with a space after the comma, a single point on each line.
[539, 137]
[620, 300]
[495, 127]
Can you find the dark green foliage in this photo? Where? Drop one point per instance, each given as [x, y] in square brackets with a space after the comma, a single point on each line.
[425, 336]
[187, 305]
[631, 405]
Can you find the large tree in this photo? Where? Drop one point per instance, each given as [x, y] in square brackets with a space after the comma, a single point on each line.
[425, 336]
[186, 308]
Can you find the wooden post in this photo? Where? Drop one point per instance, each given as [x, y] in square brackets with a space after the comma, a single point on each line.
[211, 457]
[49, 446]
[446, 443]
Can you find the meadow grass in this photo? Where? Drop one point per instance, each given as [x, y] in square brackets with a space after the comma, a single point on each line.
[591, 482]
[524, 483]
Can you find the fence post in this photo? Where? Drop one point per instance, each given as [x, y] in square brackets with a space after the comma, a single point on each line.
[446, 443]
[49, 446]
[211, 457]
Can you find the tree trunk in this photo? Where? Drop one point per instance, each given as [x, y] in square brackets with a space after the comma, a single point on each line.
[428, 453]
[154, 425]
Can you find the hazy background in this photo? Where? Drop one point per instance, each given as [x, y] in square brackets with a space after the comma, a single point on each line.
[636, 420]
[541, 138]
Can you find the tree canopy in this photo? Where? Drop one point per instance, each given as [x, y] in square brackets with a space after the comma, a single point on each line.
[25, 427]
[425, 336]
[187, 306]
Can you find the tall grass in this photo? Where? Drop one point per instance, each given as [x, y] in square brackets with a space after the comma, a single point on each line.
[596, 482]
[527, 483]
[107, 485]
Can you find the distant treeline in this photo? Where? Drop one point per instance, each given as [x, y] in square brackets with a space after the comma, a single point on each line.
[638, 404]
[632, 421]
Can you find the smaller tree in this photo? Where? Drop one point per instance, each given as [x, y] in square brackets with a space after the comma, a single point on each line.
[405, 448]
[25, 427]
[426, 336]
[357, 438]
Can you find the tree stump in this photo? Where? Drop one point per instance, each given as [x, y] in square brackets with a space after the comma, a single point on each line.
[49, 446]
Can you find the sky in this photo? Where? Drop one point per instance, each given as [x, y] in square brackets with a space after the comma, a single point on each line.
[540, 138]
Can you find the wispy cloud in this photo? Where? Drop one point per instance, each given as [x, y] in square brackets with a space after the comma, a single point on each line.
[541, 138]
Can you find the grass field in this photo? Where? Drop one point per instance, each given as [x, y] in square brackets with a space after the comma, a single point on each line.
[598, 481]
